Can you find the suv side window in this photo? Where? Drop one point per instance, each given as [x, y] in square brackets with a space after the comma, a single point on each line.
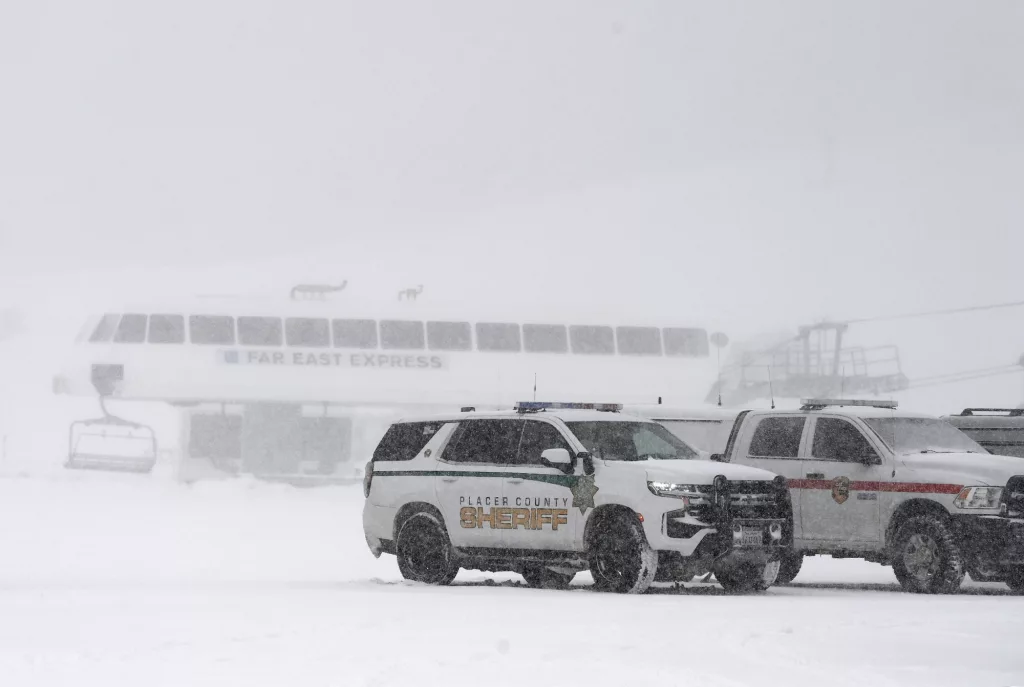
[404, 441]
[777, 437]
[485, 441]
[538, 437]
[836, 439]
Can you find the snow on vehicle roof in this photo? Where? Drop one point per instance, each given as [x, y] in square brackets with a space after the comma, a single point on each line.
[855, 411]
[660, 412]
[563, 415]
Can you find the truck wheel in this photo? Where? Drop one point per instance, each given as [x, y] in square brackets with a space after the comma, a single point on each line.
[424, 550]
[545, 578]
[926, 558]
[748, 577]
[1015, 580]
[789, 567]
[621, 560]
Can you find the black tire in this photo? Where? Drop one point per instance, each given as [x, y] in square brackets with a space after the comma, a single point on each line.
[748, 577]
[926, 557]
[1015, 580]
[424, 550]
[789, 567]
[541, 577]
[621, 560]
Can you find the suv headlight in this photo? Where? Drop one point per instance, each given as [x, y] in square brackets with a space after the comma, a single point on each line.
[979, 497]
[680, 491]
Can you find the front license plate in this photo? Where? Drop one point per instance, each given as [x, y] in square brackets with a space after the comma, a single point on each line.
[752, 536]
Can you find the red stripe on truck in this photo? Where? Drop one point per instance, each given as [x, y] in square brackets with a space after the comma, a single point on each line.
[900, 487]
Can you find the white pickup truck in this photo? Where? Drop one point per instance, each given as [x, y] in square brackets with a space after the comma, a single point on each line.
[869, 481]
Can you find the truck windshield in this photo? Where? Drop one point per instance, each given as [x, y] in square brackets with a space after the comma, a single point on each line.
[631, 441]
[907, 435]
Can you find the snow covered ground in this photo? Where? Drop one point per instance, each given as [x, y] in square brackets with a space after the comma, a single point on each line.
[135, 580]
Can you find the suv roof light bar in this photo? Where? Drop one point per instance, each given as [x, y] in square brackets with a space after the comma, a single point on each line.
[536, 406]
[819, 403]
[1012, 412]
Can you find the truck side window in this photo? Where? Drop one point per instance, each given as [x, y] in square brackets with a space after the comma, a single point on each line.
[537, 438]
[777, 437]
[485, 441]
[839, 440]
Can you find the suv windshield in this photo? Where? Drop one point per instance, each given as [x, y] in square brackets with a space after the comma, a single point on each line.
[922, 435]
[630, 441]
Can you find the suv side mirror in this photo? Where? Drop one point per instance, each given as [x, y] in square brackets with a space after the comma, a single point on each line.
[557, 458]
[718, 457]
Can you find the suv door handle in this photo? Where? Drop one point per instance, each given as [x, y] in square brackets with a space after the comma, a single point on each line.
[815, 475]
[449, 479]
[515, 480]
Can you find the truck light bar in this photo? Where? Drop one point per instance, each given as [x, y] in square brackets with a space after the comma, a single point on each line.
[534, 406]
[1012, 412]
[819, 403]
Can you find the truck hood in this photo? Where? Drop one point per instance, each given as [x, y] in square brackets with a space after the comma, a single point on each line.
[703, 472]
[970, 469]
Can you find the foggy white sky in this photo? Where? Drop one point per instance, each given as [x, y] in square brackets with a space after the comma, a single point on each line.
[766, 162]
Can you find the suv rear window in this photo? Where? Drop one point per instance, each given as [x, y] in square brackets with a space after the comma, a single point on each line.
[404, 441]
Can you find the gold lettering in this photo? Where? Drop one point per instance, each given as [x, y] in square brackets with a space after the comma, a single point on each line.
[487, 517]
[561, 517]
[467, 517]
[504, 518]
[521, 516]
[543, 517]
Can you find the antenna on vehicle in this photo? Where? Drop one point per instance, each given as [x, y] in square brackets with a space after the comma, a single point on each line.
[842, 382]
[718, 355]
[534, 386]
[771, 391]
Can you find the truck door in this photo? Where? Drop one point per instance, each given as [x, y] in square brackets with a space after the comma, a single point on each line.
[774, 445]
[839, 494]
[469, 481]
[540, 497]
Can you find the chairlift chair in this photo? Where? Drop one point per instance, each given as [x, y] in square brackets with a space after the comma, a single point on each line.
[110, 442]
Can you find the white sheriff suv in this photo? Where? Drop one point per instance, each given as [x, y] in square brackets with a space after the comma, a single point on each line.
[869, 481]
[550, 489]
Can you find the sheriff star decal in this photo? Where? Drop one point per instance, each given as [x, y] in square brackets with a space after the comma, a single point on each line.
[583, 493]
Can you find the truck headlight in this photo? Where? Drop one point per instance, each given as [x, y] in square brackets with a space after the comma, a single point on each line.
[679, 491]
[978, 497]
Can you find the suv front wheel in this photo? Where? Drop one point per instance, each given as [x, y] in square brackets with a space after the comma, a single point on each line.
[424, 550]
[926, 558]
[621, 559]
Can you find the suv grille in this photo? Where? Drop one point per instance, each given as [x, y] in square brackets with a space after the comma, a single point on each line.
[759, 499]
[750, 500]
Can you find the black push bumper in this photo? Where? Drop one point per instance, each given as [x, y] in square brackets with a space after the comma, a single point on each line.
[991, 542]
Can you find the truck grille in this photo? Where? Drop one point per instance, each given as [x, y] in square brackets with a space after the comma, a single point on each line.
[1013, 497]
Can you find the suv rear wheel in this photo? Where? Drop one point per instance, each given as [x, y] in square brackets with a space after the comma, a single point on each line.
[621, 560]
[424, 550]
[926, 558]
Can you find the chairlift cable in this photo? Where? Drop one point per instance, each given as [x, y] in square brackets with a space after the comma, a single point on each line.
[929, 313]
